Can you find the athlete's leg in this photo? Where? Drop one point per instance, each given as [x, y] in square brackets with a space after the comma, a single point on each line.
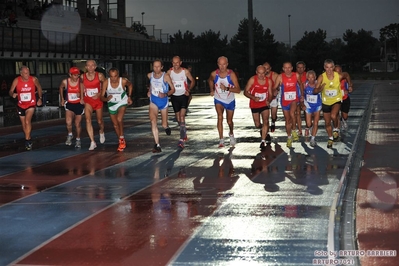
[89, 126]
[153, 114]
[219, 111]
[265, 119]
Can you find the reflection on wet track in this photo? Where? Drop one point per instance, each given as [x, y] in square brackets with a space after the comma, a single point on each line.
[197, 206]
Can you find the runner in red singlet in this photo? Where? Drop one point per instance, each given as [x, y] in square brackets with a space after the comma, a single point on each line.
[91, 96]
[24, 87]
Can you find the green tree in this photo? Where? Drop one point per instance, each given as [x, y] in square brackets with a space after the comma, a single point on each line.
[312, 48]
[211, 45]
[265, 47]
[336, 46]
[361, 47]
[390, 35]
[138, 27]
[188, 38]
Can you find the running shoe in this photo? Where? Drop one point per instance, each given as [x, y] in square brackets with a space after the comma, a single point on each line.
[272, 127]
[221, 143]
[289, 142]
[295, 136]
[168, 131]
[335, 135]
[122, 144]
[344, 124]
[68, 141]
[157, 148]
[181, 144]
[313, 142]
[330, 144]
[262, 145]
[102, 137]
[28, 145]
[268, 139]
[78, 143]
[93, 145]
[232, 141]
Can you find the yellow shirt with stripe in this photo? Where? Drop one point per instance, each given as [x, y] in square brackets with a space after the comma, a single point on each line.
[331, 92]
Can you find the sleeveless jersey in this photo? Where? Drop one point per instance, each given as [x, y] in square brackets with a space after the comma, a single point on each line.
[289, 89]
[303, 77]
[179, 81]
[271, 78]
[26, 93]
[72, 92]
[222, 95]
[332, 90]
[119, 96]
[311, 100]
[92, 87]
[158, 85]
[344, 89]
[261, 91]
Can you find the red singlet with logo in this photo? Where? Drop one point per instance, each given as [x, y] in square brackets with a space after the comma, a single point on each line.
[26, 93]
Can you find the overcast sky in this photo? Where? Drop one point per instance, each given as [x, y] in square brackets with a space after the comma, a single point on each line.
[198, 16]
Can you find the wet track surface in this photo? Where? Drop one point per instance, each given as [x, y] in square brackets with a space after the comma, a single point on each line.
[198, 206]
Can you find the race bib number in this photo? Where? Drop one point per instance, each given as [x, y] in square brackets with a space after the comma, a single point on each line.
[331, 93]
[26, 97]
[261, 96]
[290, 95]
[179, 86]
[156, 89]
[311, 98]
[73, 96]
[115, 98]
[91, 92]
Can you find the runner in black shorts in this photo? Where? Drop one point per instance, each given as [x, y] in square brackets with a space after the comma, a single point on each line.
[346, 89]
[70, 97]
[179, 99]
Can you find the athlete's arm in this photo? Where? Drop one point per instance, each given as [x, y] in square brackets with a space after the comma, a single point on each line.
[101, 77]
[190, 77]
[39, 91]
[274, 77]
[277, 85]
[300, 84]
[234, 79]
[61, 89]
[167, 79]
[345, 75]
[82, 90]
[210, 82]
[129, 85]
[319, 85]
[104, 87]
[270, 93]
[149, 84]
[13, 86]
[247, 90]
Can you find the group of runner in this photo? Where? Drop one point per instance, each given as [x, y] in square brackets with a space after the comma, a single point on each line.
[80, 94]
[294, 91]
[300, 91]
[85, 93]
